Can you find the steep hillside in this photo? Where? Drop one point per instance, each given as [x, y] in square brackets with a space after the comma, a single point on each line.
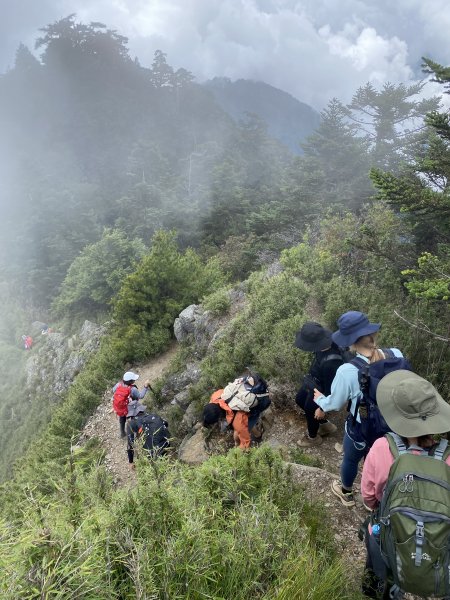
[289, 120]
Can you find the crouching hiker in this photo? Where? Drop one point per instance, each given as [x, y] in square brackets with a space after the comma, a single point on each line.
[149, 429]
[328, 357]
[406, 481]
[123, 392]
[240, 404]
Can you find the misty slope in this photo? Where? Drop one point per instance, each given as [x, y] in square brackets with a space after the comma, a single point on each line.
[91, 139]
[289, 120]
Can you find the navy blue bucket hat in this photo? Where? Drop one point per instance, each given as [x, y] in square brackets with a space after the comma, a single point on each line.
[353, 325]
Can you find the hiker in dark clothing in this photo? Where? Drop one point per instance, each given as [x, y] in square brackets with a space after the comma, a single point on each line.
[312, 337]
[151, 428]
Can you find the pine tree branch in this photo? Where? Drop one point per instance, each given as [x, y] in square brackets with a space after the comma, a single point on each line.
[422, 327]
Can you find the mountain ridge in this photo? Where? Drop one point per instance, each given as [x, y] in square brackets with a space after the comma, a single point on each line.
[288, 119]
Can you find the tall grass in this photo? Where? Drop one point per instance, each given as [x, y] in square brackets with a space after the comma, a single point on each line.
[234, 528]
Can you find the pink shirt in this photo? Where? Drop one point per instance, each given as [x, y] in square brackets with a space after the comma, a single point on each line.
[376, 472]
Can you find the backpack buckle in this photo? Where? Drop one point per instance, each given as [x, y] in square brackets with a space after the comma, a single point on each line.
[406, 484]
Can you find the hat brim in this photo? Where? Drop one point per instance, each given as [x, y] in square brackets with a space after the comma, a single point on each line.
[130, 376]
[347, 340]
[404, 426]
[322, 344]
[134, 408]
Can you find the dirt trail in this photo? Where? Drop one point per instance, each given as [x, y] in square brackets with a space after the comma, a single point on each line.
[104, 425]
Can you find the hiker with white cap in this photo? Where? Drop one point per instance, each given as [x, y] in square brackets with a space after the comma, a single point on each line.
[358, 334]
[124, 391]
[406, 478]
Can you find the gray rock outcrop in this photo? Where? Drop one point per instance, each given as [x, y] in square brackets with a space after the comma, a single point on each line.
[52, 367]
[192, 450]
[196, 326]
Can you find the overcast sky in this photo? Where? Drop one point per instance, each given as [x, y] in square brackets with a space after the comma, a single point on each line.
[313, 49]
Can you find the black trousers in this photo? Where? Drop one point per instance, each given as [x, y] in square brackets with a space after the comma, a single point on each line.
[122, 421]
[304, 399]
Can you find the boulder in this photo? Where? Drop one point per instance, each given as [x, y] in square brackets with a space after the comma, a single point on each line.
[196, 326]
[184, 324]
[268, 419]
[179, 381]
[190, 418]
[182, 399]
[282, 394]
[192, 450]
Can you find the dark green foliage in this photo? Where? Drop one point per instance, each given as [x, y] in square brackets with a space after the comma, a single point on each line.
[337, 159]
[386, 116]
[165, 282]
[421, 192]
[96, 275]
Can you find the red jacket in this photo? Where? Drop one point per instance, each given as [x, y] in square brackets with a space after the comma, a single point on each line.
[121, 398]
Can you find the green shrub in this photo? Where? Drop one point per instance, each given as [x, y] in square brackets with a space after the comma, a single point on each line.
[218, 303]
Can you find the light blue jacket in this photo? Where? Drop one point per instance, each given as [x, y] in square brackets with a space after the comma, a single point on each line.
[345, 387]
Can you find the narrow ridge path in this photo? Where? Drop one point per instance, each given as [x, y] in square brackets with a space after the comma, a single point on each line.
[104, 425]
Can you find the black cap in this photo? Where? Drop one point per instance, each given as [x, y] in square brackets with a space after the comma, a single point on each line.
[312, 337]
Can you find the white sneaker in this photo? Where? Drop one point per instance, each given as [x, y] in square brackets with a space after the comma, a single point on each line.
[345, 497]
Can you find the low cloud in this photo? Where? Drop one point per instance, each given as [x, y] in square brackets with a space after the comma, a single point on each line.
[314, 50]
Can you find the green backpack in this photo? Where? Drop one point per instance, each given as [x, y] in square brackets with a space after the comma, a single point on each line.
[414, 516]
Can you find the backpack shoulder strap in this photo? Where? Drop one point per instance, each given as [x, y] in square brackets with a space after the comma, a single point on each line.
[359, 363]
[441, 450]
[332, 357]
[396, 444]
[398, 447]
[388, 353]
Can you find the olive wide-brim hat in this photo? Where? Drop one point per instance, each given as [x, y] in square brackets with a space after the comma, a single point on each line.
[411, 405]
[312, 337]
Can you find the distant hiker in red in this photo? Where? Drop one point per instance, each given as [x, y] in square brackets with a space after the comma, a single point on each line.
[124, 391]
[27, 341]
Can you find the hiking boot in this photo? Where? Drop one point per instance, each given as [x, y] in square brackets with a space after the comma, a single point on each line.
[345, 497]
[327, 428]
[306, 442]
[257, 432]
